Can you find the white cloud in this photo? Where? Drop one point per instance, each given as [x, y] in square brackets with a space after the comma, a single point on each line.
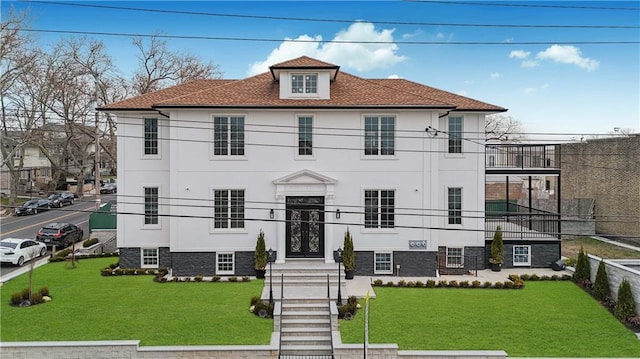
[462, 93]
[533, 90]
[412, 34]
[359, 56]
[519, 54]
[394, 76]
[508, 40]
[529, 63]
[495, 75]
[568, 54]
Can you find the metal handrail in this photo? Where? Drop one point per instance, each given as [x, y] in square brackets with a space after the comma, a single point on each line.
[330, 316]
[281, 309]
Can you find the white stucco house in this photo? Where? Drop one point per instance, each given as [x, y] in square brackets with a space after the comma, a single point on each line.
[303, 152]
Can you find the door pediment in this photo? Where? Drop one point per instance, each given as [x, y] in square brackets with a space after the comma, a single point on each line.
[305, 177]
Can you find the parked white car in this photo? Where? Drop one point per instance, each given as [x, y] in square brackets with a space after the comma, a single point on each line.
[17, 251]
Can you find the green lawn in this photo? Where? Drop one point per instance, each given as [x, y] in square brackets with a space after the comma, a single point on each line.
[87, 306]
[545, 319]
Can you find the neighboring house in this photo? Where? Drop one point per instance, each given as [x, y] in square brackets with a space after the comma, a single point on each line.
[608, 171]
[303, 152]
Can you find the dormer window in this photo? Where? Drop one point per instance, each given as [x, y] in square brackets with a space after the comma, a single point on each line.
[304, 83]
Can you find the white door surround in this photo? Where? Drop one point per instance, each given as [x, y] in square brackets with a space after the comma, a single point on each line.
[304, 183]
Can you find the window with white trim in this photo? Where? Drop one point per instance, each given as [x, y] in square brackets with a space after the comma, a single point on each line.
[151, 205]
[379, 135]
[224, 263]
[228, 209]
[305, 135]
[454, 203]
[455, 134]
[304, 83]
[150, 136]
[455, 258]
[521, 255]
[228, 135]
[149, 258]
[383, 263]
[379, 208]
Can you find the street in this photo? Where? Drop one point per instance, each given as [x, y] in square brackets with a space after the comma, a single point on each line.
[27, 226]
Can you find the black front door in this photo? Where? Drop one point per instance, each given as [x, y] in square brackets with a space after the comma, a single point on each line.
[305, 227]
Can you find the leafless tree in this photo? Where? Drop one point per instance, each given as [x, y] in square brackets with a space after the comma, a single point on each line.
[501, 127]
[160, 67]
[16, 56]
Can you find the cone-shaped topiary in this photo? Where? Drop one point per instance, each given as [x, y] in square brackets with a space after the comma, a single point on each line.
[583, 268]
[625, 307]
[348, 256]
[601, 289]
[260, 255]
[497, 247]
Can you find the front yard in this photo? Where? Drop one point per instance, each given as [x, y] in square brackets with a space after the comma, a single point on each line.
[545, 319]
[88, 306]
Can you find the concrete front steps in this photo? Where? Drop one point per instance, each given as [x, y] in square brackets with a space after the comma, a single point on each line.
[300, 287]
[304, 279]
[306, 327]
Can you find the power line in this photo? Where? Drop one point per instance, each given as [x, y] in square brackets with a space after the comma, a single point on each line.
[539, 6]
[306, 19]
[250, 39]
[342, 223]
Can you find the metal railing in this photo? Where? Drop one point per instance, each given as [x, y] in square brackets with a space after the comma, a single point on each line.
[522, 156]
[330, 316]
[281, 310]
[522, 222]
[463, 265]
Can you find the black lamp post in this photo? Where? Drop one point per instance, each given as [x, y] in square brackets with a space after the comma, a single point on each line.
[339, 301]
[270, 253]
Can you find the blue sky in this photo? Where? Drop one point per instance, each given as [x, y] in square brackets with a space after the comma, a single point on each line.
[552, 87]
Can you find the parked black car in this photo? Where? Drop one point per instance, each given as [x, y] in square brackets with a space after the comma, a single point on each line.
[60, 199]
[33, 207]
[59, 234]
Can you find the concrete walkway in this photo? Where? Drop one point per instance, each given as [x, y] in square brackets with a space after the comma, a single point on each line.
[360, 285]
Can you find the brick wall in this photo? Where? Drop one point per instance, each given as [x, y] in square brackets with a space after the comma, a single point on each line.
[498, 190]
[607, 170]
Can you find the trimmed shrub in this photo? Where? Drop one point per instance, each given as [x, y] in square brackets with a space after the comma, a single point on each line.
[431, 283]
[442, 283]
[534, 277]
[625, 307]
[464, 284]
[389, 284]
[263, 310]
[419, 284]
[245, 278]
[498, 285]
[476, 284]
[255, 300]
[487, 284]
[411, 284]
[89, 242]
[106, 272]
[377, 282]
[349, 309]
[44, 291]
[36, 298]
[508, 284]
[583, 268]
[453, 284]
[16, 299]
[601, 288]
[215, 278]
[233, 279]
[402, 283]
[571, 262]
[198, 278]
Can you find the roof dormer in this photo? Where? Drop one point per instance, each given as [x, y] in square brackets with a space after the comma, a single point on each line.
[304, 78]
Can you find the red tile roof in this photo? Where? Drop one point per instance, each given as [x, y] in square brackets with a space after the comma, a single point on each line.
[261, 91]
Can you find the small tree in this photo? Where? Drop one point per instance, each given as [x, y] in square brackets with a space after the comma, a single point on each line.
[583, 268]
[497, 247]
[348, 256]
[601, 289]
[625, 307]
[260, 255]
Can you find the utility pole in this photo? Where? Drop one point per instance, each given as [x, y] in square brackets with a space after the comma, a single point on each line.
[96, 177]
